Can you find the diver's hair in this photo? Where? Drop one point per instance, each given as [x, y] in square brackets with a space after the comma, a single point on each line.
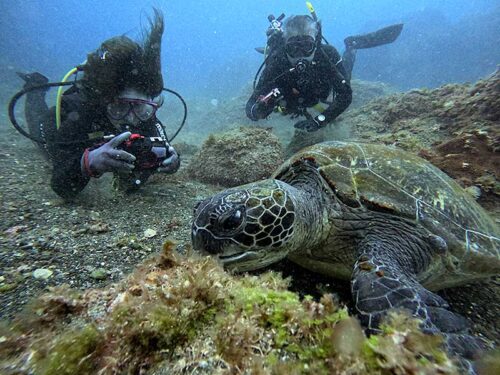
[121, 63]
[300, 25]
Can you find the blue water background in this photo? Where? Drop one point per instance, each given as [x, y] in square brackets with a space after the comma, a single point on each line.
[208, 46]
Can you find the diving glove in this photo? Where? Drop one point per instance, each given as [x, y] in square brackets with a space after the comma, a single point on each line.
[171, 163]
[311, 125]
[107, 158]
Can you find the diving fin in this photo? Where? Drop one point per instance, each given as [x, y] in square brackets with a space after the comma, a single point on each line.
[377, 38]
[261, 50]
[33, 79]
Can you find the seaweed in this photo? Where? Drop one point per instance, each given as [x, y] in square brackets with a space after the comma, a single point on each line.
[176, 314]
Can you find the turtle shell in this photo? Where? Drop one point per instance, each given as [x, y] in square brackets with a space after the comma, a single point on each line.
[387, 179]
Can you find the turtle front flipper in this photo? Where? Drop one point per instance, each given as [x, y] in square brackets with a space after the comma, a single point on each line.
[383, 279]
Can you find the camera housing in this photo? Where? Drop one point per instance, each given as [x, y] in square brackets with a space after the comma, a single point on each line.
[142, 148]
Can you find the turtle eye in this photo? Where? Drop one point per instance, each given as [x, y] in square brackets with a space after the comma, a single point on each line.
[232, 221]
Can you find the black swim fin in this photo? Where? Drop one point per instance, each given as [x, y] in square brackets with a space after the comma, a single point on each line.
[377, 38]
[33, 79]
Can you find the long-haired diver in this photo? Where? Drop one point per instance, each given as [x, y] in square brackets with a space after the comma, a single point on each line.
[106, 121]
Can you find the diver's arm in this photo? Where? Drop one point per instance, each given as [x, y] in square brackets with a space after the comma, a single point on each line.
[255, 108]
[341, 102]
[67, 177]
[341, 87]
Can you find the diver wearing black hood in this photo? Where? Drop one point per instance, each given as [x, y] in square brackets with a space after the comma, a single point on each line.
[118, 96]
[300, 72]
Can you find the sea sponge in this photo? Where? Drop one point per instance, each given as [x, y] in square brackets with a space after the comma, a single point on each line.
[237, 157]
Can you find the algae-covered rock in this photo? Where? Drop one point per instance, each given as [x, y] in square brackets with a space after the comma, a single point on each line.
[428, 116]
[236, 157]
[472, 159]
[364, 91]
[178, 315]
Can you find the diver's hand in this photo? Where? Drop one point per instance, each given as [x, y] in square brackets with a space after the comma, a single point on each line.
[171, 163]
[311, 125]
[264, 105]
[108, 158]
[260, 110]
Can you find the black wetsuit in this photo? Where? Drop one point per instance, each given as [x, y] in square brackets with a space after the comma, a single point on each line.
[82, 126]
[326, 74]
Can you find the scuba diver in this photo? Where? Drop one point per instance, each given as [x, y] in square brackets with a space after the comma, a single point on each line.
[106, 121]
[301, 72]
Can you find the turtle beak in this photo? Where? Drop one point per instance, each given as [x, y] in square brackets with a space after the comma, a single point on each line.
[237, 258]
[204, 242]
[229, 255]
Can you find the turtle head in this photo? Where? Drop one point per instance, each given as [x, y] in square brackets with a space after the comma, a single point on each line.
[246, 228]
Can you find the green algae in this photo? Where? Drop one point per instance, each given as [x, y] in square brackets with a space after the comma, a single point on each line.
[250, 324]
[72, 352]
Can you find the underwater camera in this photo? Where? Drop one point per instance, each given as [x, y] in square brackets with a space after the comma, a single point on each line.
[142, 148]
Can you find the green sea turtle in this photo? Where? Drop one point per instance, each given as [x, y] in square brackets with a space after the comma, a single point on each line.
[389, 221]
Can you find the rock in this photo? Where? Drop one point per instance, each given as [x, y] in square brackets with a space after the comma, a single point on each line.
[99, 274]
[421, 118]
[364, 91]
[15, 230]
[4, 288]
[98, 227]
[42, 273]
[348, 337]
[149, 233]
[184, 148]
[237, 157]
[22, 268]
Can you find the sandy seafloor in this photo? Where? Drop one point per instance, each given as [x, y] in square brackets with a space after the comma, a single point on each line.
[103, 235]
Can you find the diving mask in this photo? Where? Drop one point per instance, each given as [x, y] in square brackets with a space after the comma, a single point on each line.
[300, 46]
[142, 109]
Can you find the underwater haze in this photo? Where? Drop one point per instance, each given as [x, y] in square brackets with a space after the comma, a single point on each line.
[208, 47]
[107, 272]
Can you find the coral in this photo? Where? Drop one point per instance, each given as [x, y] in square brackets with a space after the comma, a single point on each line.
[429, 115]
[237, 157]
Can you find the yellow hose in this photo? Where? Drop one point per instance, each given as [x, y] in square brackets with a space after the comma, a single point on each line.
[59, 97]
